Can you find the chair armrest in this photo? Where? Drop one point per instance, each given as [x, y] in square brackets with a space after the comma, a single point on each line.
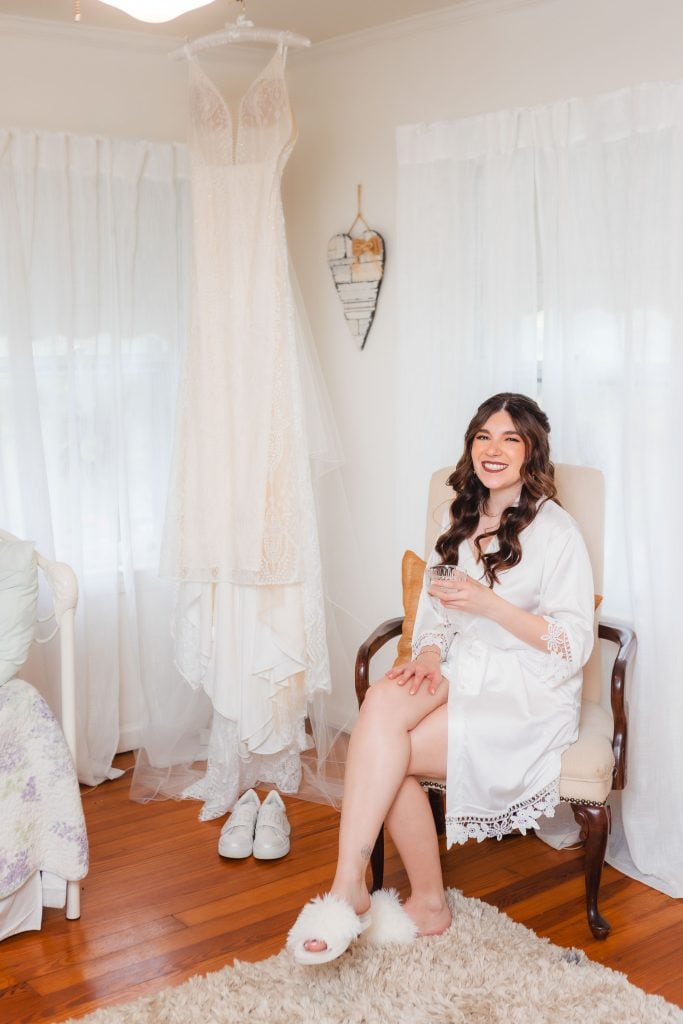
[376, 640]
[625, 639]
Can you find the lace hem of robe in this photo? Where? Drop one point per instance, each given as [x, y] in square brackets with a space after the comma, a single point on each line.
[518, 817]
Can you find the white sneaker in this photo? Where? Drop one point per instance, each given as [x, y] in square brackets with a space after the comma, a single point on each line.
[272, 829]
[237, 835]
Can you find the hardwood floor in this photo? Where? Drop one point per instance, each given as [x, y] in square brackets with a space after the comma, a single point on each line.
[160, 905]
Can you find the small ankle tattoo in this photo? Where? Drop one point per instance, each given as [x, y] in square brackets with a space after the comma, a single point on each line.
[366, 853]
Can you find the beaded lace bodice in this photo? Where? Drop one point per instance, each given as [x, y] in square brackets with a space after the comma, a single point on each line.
[236, 498]
[263, 129]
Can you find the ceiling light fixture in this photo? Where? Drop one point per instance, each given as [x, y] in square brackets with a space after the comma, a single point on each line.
[156, 10]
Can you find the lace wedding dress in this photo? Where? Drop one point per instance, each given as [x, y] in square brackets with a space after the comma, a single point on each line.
[240, 535]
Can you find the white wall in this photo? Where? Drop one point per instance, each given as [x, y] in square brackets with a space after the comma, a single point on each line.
[349, 96]
[73, 78]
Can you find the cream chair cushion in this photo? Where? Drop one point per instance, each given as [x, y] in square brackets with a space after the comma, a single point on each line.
[587, 766]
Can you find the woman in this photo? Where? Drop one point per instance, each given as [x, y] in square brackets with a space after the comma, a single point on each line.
[491, 698]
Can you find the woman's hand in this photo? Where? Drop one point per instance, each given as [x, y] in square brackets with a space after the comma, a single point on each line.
[425, 668]
[466, 595]
[473, 597]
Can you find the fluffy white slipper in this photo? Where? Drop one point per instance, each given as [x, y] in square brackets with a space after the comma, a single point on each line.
[328, 919]
[390, 922]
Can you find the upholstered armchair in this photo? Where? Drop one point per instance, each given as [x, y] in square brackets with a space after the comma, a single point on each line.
[596, 763]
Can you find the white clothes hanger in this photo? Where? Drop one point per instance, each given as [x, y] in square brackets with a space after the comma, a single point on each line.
[242, 31]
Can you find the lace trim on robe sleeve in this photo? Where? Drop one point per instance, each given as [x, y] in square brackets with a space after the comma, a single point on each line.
[441, 638]
[557, 640]
[559, 650]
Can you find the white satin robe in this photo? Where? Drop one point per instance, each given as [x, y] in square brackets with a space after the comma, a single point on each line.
[513, 709]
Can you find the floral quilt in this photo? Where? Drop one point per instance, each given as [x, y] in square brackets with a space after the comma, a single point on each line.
[41, 817]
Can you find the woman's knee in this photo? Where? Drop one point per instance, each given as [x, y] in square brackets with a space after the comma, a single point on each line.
[387, 703]
[381, 697]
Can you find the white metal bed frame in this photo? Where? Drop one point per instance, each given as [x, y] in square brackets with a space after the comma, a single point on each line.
[63, 585]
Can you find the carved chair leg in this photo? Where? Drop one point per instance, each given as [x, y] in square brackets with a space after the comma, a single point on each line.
[595, 823]
[377, 862]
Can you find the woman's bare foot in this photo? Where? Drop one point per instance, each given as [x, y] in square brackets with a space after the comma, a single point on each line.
[432, 917]
[357, 896]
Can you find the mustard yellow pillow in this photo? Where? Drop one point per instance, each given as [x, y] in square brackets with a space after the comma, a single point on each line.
[412, 576]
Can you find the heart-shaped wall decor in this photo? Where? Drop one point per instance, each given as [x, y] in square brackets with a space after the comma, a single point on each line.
[357, 266]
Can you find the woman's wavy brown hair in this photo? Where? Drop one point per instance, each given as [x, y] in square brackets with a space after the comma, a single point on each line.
[538, 482]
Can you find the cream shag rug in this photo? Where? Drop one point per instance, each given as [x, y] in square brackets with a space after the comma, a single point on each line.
[485, 969]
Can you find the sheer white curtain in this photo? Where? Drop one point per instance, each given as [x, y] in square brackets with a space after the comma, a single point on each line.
[584, 198]
[468, 289]
[611, 230]
[93, 244]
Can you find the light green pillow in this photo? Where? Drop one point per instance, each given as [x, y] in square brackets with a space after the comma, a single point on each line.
[18, 604]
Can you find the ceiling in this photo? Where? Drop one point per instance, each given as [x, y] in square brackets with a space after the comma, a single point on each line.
[317, 19]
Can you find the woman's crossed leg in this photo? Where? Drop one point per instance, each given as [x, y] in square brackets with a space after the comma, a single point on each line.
[398, 735]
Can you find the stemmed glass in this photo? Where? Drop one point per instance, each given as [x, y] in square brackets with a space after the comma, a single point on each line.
[446, 574]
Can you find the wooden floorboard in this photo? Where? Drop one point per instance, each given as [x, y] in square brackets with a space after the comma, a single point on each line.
[160, 905]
